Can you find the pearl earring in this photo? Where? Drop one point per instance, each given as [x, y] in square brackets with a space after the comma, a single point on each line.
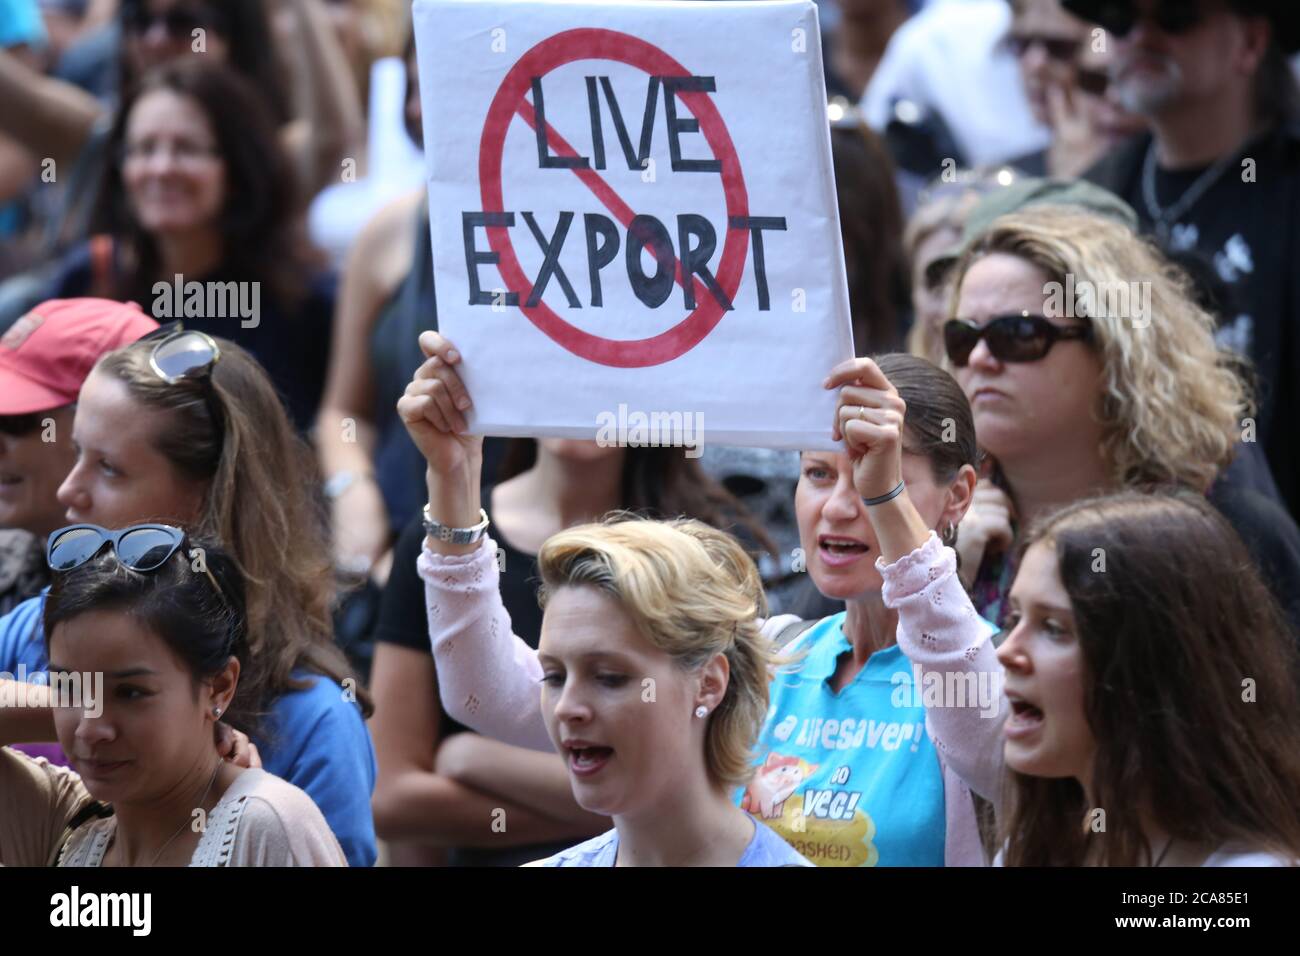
[701, 711]
[216, 711]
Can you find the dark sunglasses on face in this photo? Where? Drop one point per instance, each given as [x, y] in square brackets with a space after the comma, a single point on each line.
[1060, 49]
[16, 426]
[178, 22]
[1010, 338]
[1173, 17]
[141, 547]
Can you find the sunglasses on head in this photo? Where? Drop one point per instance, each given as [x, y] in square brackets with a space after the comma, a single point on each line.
[1173, 17]
[1010, 338]
[141, 547]
[1060, 49]
[181, 353]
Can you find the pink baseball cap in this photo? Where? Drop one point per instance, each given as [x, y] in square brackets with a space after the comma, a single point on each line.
[48, 353]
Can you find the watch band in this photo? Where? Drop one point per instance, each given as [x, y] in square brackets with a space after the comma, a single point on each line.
[442, 532]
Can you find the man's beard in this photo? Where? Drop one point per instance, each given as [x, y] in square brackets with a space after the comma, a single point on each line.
[1149, 93]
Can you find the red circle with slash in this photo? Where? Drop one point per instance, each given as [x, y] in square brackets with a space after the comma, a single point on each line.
[597, 44]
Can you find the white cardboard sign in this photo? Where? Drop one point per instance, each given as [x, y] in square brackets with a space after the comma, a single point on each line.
[633, 213]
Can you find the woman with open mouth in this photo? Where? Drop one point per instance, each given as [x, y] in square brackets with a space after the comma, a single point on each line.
[847, 768]
[1149, 671]
[159, 620]
[654, 687]
[651, 674]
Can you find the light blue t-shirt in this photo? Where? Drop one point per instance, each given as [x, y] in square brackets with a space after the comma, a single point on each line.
[315, 738]
[765, 849]
[849, 779]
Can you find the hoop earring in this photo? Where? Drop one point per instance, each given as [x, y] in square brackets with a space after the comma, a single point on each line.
[949, 536]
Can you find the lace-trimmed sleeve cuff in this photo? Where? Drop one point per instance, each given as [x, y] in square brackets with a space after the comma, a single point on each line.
[914, 572]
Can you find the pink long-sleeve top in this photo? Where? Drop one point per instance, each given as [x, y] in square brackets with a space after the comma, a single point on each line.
[490, 679]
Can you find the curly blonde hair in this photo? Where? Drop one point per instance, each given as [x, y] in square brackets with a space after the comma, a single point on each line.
[692, 592]
[1173, 401]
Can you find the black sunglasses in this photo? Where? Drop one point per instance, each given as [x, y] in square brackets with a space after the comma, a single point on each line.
[1173, 17]
[1061, 49]
[16, 426]
[141, 547]
[179, 22]
[1010, 338]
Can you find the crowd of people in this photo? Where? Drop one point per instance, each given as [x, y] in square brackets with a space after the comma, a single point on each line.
[1041, 607]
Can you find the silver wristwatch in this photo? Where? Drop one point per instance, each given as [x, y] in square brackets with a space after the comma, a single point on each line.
[442, 532]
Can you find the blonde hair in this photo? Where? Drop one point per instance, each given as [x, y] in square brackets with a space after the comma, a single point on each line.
[1173, 400]
[692, 592]
[946, 211]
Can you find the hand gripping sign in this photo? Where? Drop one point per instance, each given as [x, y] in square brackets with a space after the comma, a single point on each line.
[633, 214]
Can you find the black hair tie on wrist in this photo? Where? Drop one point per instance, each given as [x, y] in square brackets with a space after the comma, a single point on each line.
[883, 498]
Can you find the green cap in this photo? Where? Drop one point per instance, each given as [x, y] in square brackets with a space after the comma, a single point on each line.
[1022, 194]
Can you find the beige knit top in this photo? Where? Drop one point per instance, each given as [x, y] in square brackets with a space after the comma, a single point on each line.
[260, 820]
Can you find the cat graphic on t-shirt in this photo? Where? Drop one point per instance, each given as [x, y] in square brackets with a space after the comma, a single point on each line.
[773, 784]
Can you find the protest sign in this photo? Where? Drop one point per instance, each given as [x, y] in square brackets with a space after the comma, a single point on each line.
[633, 216]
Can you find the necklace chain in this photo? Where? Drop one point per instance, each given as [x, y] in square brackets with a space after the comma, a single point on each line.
[1166, 217]
[181, 829]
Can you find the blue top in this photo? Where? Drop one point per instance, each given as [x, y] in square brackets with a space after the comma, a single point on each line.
[765, 849]
[315, 738]
[20, 22]
[849, 779]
